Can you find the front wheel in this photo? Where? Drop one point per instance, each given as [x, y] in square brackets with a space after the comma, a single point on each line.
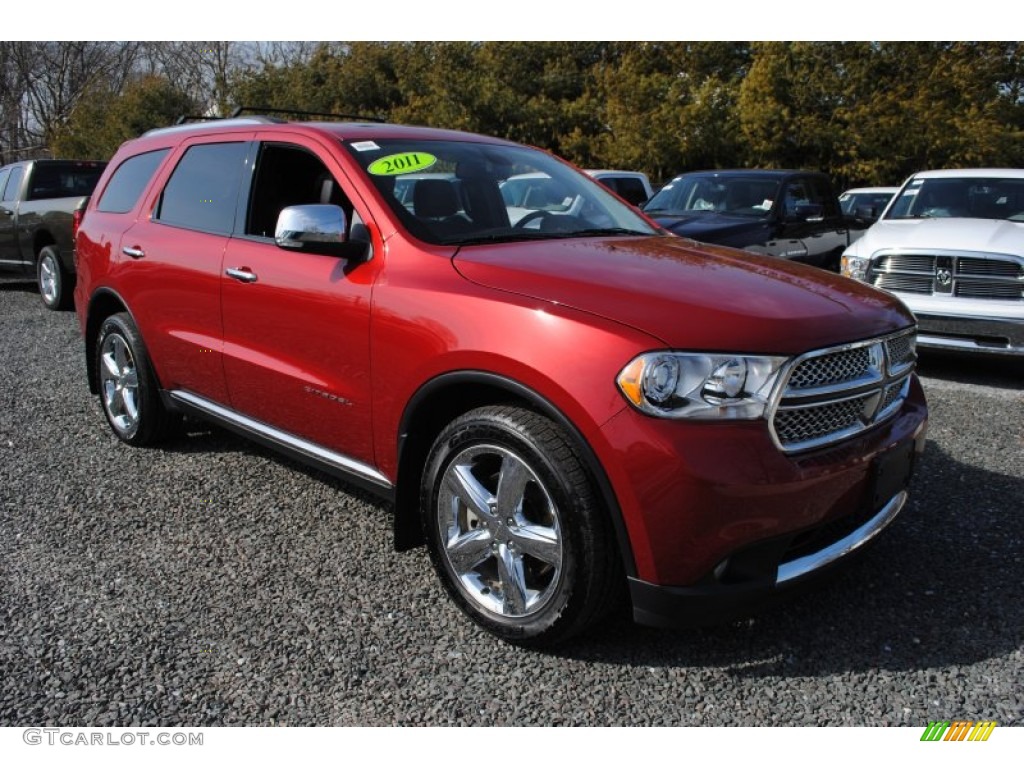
[55, 284]
[514, 528]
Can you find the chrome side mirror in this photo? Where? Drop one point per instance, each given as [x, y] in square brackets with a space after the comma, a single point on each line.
[312, 228]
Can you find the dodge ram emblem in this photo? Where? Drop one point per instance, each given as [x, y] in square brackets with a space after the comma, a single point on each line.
[943, 276]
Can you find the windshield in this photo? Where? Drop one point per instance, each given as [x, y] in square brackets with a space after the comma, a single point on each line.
[969, 198]
[460, 193]
[735, 195]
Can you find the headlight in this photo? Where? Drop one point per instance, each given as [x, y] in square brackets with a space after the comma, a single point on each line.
[855, 267]
[679, 385]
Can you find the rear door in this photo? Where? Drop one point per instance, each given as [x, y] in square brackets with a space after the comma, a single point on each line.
[170, 262]
[10, 253]
[297, 325]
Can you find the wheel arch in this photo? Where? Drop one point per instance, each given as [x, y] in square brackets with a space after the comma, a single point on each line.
[449, 395]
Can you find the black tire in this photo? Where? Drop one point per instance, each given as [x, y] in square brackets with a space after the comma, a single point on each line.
[129, 393]
[539, 565]
[56, 285]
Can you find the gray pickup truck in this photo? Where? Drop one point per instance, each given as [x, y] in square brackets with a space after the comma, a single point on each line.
[38, 199]
[789, 214]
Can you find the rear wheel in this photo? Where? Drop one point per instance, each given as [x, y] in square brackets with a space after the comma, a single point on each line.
[55, 284]
[514, 527]
[129, 392]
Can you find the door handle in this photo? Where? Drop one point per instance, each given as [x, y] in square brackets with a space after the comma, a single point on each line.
[242, 274]
[135, 253]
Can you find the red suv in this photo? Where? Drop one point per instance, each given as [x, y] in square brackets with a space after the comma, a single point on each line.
[561, 402]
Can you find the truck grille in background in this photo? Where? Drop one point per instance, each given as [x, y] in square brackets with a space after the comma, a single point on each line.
[832, 394]
[975, 276]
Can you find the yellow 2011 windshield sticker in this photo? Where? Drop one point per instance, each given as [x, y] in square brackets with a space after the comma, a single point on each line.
[404, 162]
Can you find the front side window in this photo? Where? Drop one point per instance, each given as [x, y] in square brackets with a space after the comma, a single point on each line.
[463, 192]
[289, 175]
[970, 198]
[749, 196]
[202, 193]
[128, 182]
[3, 180]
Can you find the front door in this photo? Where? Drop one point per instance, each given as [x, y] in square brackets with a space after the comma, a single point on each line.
[297, 325]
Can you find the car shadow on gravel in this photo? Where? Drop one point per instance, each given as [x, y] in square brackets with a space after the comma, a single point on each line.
[1003, 372]
[939, 588]
[200, 437]
[18, 285]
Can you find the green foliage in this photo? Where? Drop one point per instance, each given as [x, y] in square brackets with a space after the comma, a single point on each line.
[863, 112]
[103, 120]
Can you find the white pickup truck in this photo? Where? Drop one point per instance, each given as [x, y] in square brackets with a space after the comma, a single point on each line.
[951, 246]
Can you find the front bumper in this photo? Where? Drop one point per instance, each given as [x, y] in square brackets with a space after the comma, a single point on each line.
[720, 521]
[656, 605]
[991, 335]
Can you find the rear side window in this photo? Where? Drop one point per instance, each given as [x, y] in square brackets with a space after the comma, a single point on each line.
[14, 183]
[53, 180]
[129, 180]
[203, 190]
[3, 180]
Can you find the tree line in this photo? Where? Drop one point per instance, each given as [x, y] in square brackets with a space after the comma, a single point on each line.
[864, 112]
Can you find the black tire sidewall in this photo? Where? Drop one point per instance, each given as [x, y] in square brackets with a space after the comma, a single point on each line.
[514, 430]
[61, 300]
[148, 426]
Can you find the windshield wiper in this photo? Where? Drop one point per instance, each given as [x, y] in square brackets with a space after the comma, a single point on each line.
[508, 237]
[599, 231]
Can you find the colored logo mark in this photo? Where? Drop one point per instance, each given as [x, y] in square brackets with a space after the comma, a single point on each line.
[958, 730]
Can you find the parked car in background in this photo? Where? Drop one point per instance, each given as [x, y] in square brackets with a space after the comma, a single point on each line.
[632, 186]
[566, 406]
[793, 215]
[38, 199]
[951, 247]
[866, 203]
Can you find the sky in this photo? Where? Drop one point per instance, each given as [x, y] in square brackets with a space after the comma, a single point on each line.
[519, 20]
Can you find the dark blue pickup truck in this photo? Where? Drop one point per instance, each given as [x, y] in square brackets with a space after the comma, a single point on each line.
[790, 214]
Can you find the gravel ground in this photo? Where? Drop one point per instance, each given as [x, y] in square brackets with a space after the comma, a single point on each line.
[211, 583]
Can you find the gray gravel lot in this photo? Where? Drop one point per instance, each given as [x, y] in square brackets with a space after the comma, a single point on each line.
[210, 582]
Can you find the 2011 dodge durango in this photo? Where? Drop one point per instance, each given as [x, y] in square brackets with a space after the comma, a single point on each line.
[570, 408]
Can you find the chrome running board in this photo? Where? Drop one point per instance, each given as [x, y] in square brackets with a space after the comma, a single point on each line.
[276, 438]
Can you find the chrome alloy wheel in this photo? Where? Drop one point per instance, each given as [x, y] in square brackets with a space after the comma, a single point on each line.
[500, 531]
[48, 277]
[119, 381]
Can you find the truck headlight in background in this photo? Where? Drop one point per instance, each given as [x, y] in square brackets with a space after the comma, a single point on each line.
[855, 266]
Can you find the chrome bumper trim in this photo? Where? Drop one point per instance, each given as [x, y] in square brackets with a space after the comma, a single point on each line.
[803, 566]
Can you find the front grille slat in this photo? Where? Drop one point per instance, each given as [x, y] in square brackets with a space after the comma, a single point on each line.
[832, 394]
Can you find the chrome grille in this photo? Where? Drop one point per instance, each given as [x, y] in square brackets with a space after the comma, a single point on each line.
[901, 351]
[967, 275]
[980, 290]
[905, 283]
[906, 262]
[802, 424]
[831, 394]
[968, 266]
[831, 369]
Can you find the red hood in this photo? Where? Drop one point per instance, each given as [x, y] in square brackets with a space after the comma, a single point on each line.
[690, 296]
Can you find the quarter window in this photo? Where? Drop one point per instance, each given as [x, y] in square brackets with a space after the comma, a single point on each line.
[129, 180]
[203, 190]
[14, 183]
